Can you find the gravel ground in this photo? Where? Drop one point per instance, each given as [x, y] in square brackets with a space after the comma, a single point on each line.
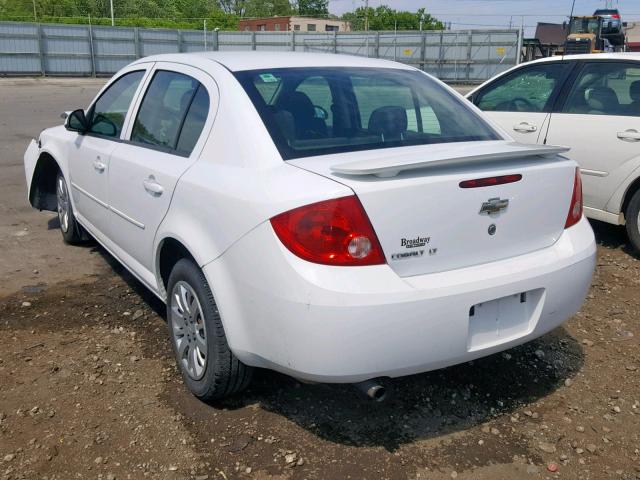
[89, 388]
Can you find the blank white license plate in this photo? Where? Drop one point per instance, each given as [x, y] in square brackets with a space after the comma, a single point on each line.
[504, 319]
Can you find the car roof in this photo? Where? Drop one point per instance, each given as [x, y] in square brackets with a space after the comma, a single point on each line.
[634, 56]
[239, 61]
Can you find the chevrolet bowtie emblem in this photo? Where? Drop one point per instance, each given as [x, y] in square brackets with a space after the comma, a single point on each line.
[494, 205]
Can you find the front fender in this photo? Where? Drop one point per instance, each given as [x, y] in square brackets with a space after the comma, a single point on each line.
[31, 156]
[51, 143]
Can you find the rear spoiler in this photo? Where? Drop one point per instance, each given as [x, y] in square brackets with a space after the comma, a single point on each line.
[390, 166]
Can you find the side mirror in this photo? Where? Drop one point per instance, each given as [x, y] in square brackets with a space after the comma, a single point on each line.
[76, 122]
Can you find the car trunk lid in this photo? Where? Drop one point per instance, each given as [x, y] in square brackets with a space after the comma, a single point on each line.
[426, 222]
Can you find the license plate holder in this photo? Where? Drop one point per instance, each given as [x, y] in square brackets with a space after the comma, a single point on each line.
[504, 319]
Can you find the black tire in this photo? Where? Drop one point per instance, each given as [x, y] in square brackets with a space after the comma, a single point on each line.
[223, 374]
[633, 222]
[72, 232]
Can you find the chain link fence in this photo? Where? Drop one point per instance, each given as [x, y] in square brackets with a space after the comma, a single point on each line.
[468, 56]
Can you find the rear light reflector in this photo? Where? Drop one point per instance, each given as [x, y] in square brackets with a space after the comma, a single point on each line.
[332, 232]
[491, 181]
[575, 209]
[616, 16]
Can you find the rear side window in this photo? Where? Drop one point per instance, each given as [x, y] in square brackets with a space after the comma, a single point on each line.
[172, 113]
[318, 111]
[527, 90]
[606, 88]
[109, 111]
[194, 122]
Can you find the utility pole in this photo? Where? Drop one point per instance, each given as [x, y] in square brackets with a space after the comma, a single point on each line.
[35, 17]
[112, 19]
[366, 15]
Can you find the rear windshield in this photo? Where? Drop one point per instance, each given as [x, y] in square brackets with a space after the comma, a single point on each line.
[317, 111]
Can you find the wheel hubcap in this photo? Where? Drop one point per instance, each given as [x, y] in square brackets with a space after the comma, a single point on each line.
[63, 204]
[189, 332]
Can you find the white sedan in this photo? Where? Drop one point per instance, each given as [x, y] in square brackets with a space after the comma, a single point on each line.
[590, 103]
[335, 218]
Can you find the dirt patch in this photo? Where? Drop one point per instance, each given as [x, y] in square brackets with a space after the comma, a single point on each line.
[90, 389]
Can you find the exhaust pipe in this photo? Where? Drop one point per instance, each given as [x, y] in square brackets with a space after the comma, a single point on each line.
[372, 389]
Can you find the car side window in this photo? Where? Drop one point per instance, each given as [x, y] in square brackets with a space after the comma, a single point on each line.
[109, 111]
[194, 122]
[527, 90]
[606, 88]
[163, 112]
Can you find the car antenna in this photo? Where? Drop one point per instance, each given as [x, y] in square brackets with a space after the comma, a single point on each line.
[564, 50]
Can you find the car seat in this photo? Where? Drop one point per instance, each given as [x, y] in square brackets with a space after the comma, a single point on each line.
[389, 122]
[602, 100]
[303, 115]
[634, 94]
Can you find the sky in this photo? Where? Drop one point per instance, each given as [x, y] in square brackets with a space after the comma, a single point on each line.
[472, 14]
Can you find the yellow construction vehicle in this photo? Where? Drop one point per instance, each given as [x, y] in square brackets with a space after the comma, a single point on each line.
[585, 36]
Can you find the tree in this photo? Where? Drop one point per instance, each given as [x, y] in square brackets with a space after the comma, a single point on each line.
[234, 7]
[386, 18]
[315, 8]
[262, 8]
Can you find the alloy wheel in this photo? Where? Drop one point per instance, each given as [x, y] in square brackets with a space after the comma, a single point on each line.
[189, 330]
[63, 204]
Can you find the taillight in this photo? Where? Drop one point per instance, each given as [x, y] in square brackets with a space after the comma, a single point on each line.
[332, 232]
[575, 210]
[616, 16]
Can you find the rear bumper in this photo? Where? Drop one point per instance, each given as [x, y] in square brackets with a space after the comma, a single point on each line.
[341, 324]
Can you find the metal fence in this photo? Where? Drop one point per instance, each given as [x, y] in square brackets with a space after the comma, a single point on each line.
[84, 50]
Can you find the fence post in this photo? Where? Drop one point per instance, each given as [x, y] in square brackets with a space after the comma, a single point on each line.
[136, 41]
[520, 42]
[441, 54]
[293, 40]
[423, 52]
[253, 40]
[179, 41]
[91, 51]
[376, 47]
[41, 49]
[215, 40]
[469, 51]
[335, 41]
[489, 48]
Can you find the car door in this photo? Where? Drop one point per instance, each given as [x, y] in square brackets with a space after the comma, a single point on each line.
[90, 153]
[599, 119]
[163, 139]
[521, 100]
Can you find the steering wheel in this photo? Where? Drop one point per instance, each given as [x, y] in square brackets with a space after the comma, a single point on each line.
[526, 104]
[320, 112]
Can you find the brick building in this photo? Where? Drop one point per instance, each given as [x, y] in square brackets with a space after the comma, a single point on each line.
[297, 24]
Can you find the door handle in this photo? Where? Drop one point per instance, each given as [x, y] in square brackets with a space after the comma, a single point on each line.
[630, 135]
[153, 187]
[99, 166]
[525, 127]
